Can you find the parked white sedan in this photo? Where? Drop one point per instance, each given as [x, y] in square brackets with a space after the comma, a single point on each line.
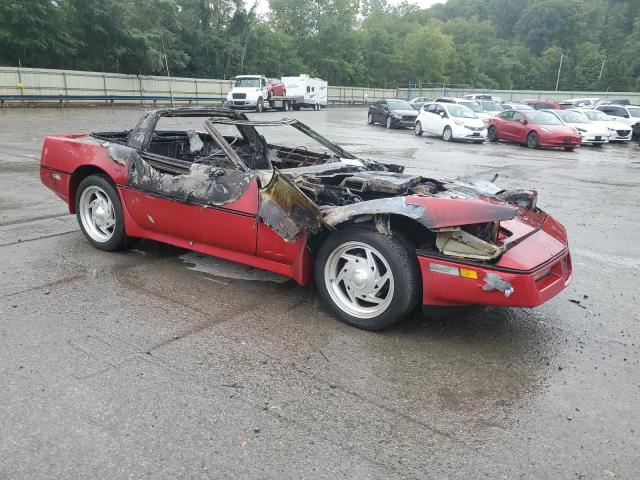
[629, 114]
[450, 121]
[618, 131]
[591, 133]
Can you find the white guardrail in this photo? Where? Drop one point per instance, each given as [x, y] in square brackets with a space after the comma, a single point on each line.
[31, 85]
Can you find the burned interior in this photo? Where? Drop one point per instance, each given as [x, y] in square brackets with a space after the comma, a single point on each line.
[308, 191]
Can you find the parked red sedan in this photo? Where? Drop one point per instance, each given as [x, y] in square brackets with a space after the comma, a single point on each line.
[533, 128]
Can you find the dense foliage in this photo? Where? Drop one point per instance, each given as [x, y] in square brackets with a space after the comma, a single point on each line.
[484, 43]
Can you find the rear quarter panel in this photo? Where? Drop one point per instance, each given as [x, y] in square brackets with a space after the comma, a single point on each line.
[62, 156]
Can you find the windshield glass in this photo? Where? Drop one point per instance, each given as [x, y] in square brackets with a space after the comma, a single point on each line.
[543, 118]
[572, 117]
[399, 105]
[634, 112]
[247, 82]
[461, 111]
[475, 106]
[597, 115]
[491, 107]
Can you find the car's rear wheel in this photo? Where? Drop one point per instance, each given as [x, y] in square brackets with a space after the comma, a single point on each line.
[447, 134]
[389, 122]
[532, 140]
[418, 129]
[569, 149]
[99, 213]
[370, 118]
[492, 134]
[368, 279]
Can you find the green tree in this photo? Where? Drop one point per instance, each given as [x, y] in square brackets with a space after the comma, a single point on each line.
[35, 33]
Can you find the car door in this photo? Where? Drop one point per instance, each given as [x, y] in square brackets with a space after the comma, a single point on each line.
[441, 119]
[378, 115]
[503, 125]
[214, 205]
[430, 118]
[518, 127]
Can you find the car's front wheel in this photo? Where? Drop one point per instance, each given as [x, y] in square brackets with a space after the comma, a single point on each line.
[389, 122]
[260, 105]
[492, 134]
[532, 140]
[418, 129]
[99, 213]
[370, 118]
[368, 279]
[447, 134]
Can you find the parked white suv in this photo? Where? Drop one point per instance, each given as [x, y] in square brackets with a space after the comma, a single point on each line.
[450, 121]
[618, 131]
[627, 114]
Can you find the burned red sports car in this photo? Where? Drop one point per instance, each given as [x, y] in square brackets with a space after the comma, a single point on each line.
[378, 242]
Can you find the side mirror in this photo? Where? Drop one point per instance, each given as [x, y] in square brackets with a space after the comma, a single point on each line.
[442, 114]
[525, 122]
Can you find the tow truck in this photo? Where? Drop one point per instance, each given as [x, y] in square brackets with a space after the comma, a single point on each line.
[256, 92]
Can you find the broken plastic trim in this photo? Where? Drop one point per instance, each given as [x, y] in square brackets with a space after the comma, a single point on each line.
[493, 281]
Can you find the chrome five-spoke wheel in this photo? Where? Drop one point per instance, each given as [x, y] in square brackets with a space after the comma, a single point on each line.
[97, 214]
[100, 214]
[370, 280]
[359, 280]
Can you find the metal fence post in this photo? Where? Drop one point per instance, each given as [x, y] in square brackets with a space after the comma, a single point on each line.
[104, 84]
[66, 90]
[140, 86]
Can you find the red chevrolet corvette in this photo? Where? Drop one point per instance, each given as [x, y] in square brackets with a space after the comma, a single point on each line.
[378, 242]
[534, 129]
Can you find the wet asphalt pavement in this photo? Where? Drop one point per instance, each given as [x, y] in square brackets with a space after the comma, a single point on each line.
[161, 363]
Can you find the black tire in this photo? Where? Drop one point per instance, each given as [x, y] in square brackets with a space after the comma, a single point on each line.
[401, 258]
[532, 140]
[492, 134]
[479, 142]
[389, 122]
[447, 137]
[296, 108]
[285, 106]
[119, 240]
[260, 105]
[370, 119]
[417, 129]
[569, 149]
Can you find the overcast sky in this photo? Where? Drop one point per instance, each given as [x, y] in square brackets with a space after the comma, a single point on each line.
[263, 5]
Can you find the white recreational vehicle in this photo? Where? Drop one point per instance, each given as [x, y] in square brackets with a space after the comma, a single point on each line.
[314, 90]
